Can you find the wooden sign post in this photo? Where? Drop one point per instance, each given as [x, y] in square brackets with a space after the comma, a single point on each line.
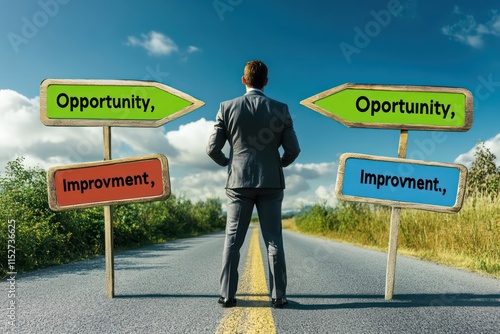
[108, 225]
[107, 103]
[403, 108]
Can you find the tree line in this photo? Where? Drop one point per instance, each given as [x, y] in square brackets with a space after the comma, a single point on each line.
[467, 239]
[44, 237]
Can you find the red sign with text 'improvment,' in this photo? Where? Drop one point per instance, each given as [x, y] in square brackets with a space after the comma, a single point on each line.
[108, 182]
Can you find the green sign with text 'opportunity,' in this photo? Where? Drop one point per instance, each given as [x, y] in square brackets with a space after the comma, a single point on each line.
[396, 107]
[111, 103]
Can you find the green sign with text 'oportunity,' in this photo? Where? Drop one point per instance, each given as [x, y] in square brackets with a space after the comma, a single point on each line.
[111, 103]
[396, 107]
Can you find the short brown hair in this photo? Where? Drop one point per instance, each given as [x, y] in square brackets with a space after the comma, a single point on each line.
[255, 74]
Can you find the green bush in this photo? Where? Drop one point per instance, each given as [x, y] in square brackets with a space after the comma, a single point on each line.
[45, 238]
[468, 238]
[317, 219]
[484, 174]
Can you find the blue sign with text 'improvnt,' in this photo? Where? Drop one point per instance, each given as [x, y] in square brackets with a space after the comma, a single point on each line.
[401, 182]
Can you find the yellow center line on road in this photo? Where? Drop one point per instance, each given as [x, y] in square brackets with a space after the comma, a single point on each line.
[252, 313]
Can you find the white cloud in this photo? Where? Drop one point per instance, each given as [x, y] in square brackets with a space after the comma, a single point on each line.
[296, 184]
[155, 43]
[140, 141]
[201, 186]
[192, 173]
[469, 32]
[327, 195]
[312, 170]
[210, 184]
[323, 194]
[190, 142]
[158, 44]
[308, 184]
[492, 144]
[193, 49]
[23, 134]
[493, 26]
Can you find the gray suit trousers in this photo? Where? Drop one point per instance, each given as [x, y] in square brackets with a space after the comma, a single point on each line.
[240, 206]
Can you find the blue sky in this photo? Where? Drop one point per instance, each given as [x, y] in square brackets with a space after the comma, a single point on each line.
[200, 48]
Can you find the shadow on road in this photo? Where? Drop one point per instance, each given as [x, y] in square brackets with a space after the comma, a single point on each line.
[398, 301]
[352, 301]
[243, 300]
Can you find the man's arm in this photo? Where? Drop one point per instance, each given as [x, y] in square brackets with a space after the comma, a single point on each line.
[217, 141]
[289, 142]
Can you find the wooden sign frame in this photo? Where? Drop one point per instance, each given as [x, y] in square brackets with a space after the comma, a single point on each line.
[51, 185]
[469, 106]
[195, 103]
[401, 204]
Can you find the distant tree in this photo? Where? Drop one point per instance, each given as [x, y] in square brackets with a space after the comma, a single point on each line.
[484, 174]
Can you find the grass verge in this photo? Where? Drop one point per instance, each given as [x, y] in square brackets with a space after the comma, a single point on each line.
[467, 240]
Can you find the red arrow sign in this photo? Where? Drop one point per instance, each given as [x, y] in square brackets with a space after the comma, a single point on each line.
[109, 182]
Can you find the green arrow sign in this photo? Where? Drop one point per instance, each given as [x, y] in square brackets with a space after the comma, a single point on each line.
[396, 107]
[111, 103]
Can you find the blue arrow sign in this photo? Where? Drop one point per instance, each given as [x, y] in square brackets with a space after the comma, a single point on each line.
[401, 182]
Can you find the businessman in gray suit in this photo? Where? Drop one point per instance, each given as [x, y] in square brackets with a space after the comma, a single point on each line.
[255, 127]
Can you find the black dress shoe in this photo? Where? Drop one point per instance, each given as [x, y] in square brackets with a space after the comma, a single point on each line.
[279, 303]
[227, 302]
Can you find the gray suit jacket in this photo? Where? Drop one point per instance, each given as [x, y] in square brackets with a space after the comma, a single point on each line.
[255, 127]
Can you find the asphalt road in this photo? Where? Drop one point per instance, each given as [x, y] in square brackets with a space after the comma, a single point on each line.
[333, 288]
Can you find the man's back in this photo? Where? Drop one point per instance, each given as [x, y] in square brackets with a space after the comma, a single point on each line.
[256, 126]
